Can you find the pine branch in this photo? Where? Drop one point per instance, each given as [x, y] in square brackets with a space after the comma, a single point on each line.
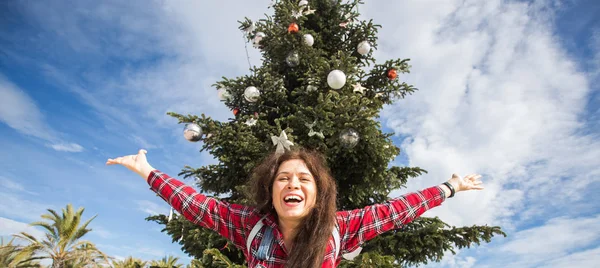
[196, 240]
[425, 240]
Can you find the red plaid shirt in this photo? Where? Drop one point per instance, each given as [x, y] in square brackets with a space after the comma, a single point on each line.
[235, 222]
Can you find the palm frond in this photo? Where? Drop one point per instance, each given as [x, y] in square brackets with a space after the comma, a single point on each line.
[81, 231]
[29, 251]
[50, 228]
[90, 251]
[54, 217]
[26, 236]
[62, 242]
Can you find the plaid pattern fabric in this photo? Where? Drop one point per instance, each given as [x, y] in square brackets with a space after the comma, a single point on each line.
[235, 222]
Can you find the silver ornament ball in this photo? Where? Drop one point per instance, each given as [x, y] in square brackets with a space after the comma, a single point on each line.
[251, 94]
[293, 59]
[224, 94]
[349, 138]
[192, 132]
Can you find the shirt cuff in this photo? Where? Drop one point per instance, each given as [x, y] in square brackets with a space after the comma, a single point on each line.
[442, 192]
[154, 180]
[153, 176]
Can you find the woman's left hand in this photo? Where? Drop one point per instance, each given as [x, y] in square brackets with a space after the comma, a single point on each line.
[469, 182]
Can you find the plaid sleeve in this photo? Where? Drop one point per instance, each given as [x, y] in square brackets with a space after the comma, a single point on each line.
[226, 219]
[360, 225]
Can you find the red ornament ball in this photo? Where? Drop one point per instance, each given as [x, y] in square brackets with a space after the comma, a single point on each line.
[293, 28]
[392, 74]
[236, 111]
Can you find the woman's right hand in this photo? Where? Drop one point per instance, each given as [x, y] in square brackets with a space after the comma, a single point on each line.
[136, 163]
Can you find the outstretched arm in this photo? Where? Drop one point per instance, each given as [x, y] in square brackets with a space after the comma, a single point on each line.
[360, 225]
[135, 162]
[224, 218]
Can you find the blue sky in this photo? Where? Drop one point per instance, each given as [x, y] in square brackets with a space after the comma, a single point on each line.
[508, 89]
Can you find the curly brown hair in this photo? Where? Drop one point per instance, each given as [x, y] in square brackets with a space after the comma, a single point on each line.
[315, 229]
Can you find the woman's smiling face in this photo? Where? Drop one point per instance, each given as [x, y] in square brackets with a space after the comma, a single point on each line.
[294, 190]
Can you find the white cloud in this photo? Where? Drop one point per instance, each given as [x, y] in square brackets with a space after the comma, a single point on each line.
[19, 207]
[67, 147]
[101, 232]
[493, 99]
[8, 184]
[554, 238]
[135, 98]
[151, 207]
[196, 54]
[455, 261]
[595, 47]
[142, 142]
[587, 258]
[11, 185]
[9, 227]
[559, 242]
[137, 251]
[119, 257]
[151, 251]
[498, 96]
[20, 112]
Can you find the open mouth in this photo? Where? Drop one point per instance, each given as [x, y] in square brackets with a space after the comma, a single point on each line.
[292, 199]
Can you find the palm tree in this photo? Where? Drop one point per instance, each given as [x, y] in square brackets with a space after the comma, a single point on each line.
[166, 262]
[195, 264]
[130, 262]
[92, 259]
[9, 256]
[62, 243]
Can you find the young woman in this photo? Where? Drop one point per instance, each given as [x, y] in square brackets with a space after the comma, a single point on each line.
[294, 222]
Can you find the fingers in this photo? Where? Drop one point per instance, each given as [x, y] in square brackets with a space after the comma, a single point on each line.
[476, 183]
[468, 177]
[117, 160]
[476, 179]
[123, 159]
[472, 176]
[469, 182]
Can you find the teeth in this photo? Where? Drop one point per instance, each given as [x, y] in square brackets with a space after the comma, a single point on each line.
[292, 197]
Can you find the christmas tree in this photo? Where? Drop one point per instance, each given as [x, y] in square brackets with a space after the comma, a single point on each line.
[319, 87]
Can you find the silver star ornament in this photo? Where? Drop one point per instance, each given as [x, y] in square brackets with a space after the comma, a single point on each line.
[297, 13]
[312, 132]
[309, 11]
[251, 122]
